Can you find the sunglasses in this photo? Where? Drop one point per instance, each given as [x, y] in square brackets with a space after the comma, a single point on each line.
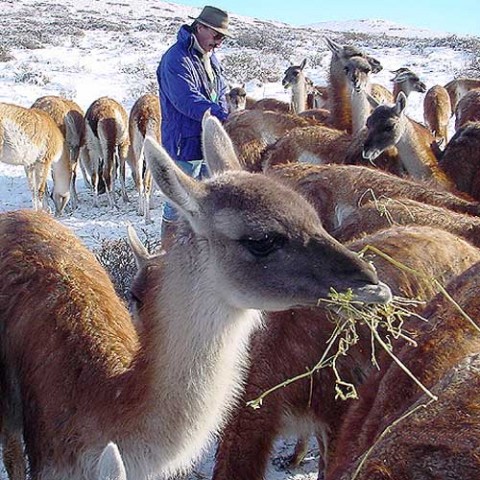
[217, 36]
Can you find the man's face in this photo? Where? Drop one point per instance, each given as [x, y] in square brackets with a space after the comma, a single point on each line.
[208, 38]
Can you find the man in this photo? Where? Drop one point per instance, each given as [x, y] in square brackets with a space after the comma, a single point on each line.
[190, 83]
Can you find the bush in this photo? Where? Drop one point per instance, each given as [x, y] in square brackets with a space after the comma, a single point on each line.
[138, 68]
[265, 39]
[5, 55]
[24, 75]
[76, 38]
[139, 88]
[473, 68]
[117, 258]
[68, 93]
[243, 66]
[142, 79]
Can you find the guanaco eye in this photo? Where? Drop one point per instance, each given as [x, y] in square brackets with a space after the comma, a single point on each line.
[263, 246]
[388, 128]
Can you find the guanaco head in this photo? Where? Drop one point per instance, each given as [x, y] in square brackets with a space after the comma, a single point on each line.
[236, 99]
[262, 243]
[60, 199]
[357, 70]
[293, 74]
[408, 81]
[385, 126]
[344, 52]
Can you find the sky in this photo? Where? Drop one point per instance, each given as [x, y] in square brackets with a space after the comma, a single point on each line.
[454, 16]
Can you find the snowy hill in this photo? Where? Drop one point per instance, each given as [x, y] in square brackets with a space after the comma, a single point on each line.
[377, 27]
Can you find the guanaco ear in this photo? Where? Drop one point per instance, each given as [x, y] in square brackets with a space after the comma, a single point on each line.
[402, 77]
[334, 47]
[375, 65]
[398, 78]
[139, 251]
[218, 150]
[400, 103]
[374, 103]
[175, 184]
[302, 65]
[110, 465]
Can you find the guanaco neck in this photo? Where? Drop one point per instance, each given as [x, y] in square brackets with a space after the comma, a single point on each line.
[62, 171]
[194, 352]
[299, 94]
[339, 96]
[360, 109]
[401, 87]
[417, 155]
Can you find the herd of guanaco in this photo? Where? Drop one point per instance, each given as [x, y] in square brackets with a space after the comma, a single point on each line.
[327, 194]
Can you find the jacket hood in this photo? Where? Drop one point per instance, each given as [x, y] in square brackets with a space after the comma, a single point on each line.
[185, 36]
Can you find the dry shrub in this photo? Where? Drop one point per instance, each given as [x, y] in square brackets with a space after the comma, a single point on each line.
[117, 258]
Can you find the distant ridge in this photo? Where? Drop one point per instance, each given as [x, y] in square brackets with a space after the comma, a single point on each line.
[377, 27]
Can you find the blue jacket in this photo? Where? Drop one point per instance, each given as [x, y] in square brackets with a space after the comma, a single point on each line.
[185, 96]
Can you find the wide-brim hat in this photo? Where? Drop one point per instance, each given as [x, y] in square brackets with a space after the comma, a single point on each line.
[214, 18]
